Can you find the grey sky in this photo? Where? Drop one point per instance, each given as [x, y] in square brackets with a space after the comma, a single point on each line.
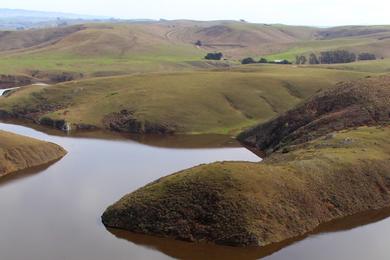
[298, 12]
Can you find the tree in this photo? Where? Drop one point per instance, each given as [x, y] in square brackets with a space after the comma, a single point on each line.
[338, 56]
[263, 60]
[248, 60]
[313, 59]
[366, 56]
[301, 59]
[285, 62]
[214, 56]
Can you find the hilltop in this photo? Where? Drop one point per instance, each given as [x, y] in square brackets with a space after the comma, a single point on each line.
[19, 153]
[336, 172]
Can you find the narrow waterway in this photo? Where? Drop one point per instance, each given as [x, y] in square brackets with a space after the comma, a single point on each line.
[54, 212]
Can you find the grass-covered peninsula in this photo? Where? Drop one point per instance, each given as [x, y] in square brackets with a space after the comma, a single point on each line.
[328, 158]
[19, 153]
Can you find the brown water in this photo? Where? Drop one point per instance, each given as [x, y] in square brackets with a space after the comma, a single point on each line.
[53, 212]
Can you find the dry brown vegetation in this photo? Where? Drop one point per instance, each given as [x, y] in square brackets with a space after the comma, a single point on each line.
[19, 153]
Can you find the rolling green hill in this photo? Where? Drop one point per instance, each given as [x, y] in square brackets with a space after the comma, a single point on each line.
[220, 101]
[119, 48]
[328, 159]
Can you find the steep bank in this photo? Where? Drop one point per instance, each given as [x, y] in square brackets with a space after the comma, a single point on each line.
[310, 181]
[350, 104]
[19, 153]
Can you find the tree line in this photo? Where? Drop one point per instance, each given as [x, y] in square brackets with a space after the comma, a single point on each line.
[332, 57]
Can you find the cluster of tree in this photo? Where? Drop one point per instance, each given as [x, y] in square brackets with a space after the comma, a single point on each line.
[332, 57]
[366, 56]
[339, 56]
[302, 59]
[250, 60]
[214, 56]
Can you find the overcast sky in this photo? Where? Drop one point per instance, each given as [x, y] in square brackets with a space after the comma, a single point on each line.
[295, 12]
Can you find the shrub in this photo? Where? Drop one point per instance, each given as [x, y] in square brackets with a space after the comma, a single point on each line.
[313, 59]
[214, 56]
[263, 60]
[248, 60]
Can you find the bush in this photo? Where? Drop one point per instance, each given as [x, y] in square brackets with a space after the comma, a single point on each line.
[214, 56]
[248, 60]
[263, 60]
[284, 62]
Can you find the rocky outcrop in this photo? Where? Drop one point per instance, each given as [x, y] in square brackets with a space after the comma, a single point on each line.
[11, 81]
[334, 163]
[19, 153]
[349, 105]
[126, 121]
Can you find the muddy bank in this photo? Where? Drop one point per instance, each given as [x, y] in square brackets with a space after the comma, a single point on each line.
[327, 169]
[20, 153]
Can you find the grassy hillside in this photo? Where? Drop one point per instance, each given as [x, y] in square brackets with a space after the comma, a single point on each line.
[222, 101]
[373, 39]
[113, 49]
[331, 170]
[19, 153]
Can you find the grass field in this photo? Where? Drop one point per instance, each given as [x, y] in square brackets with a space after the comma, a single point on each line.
[221, 101]
[155, 71]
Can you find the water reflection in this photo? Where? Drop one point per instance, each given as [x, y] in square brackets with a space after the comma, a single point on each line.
[53, 212]
[186, 250]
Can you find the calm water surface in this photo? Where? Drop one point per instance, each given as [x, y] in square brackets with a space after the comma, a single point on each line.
[54, 212]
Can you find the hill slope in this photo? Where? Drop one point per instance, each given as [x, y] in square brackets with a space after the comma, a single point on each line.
[193, 102]
[288, 194]
[120, 48]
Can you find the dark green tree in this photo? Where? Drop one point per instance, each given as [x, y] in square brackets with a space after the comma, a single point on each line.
[300, 59]
[313, 59]
[248, 60]
[214, 56]
[263, 60]
[366, 56]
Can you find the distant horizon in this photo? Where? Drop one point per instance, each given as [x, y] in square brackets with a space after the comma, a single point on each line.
[313, 13]
[97, 16]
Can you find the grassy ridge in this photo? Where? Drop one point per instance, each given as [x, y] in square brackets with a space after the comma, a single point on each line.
[113, 49]
[238, 203]
[191, 102]
[19, 152]
[335, 163]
